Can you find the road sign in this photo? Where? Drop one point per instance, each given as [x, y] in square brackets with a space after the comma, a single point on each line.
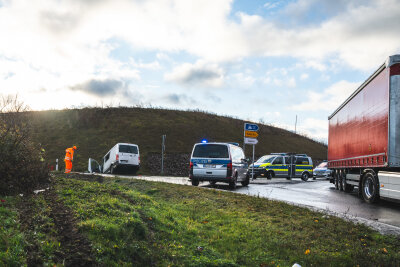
[250, 141]
[250, 134]
[250, 127]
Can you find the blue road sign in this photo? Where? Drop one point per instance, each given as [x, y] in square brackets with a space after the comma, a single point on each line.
[250, 127]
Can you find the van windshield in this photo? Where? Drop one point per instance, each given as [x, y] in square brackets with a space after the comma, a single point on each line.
[211, 151]
[128, 149]
[266, 159]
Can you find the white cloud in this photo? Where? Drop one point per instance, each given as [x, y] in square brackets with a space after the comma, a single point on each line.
[304, 76]
[329, 99]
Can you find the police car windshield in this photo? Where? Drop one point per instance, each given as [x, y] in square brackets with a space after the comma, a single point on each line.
[128, 149]
[323, 165]
[211, 151]
[266, 159]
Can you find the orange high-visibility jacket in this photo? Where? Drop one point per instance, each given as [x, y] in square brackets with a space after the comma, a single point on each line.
[69, 154]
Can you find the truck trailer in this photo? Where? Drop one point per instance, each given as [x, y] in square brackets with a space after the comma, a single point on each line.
[364, 137]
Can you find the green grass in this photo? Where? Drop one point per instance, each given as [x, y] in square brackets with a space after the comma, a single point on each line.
[12, 242]
[143, 223]
[96, 130]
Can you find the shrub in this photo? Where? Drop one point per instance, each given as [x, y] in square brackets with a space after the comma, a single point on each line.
[22, 167]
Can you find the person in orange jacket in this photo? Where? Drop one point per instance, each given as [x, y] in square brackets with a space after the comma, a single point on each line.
[69, 157]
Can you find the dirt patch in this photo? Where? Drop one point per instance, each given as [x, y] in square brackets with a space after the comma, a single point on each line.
[74, 248]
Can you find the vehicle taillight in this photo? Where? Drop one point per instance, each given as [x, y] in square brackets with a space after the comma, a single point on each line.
[139, 159]
[117, 157]
[191, 170]
[229, 169]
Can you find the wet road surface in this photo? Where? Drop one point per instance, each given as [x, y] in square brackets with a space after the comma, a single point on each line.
[316, 194]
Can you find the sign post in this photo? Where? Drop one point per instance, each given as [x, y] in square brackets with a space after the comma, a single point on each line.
[162, 152]
[250, 137]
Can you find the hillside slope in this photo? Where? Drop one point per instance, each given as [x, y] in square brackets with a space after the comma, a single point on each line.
[96, 130]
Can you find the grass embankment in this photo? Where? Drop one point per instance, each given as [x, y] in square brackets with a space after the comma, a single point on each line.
[96, 130]
[133, 222]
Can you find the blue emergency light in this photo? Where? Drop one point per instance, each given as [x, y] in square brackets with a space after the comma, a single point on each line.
[204, 141]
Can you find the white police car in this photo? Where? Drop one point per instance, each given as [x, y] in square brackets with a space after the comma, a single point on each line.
[218, 162]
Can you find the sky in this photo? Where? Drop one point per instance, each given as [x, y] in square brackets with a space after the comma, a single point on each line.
[264, 61]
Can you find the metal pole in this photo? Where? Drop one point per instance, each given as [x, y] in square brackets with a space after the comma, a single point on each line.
[295, 125]
[162, 153]
[252, 169]
[56, 164]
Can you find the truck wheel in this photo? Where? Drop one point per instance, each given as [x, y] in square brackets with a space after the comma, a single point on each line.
[341, 178]
[370, 188]
[232, 184]
[336, 176]
[347, 187]
[305, 176]
[195, 182]
[246, 181]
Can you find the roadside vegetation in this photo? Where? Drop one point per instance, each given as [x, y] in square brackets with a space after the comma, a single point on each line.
[134, 222]
[96, 130]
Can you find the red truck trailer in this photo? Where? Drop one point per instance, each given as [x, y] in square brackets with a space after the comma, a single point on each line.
[364, 137]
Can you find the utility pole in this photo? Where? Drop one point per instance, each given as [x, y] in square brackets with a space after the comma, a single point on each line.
[162, 152]
[295, 125]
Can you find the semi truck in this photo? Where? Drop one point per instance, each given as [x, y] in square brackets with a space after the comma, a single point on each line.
[364, 137]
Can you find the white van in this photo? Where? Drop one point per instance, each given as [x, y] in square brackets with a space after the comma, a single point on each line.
[218, 162]
[123, 157]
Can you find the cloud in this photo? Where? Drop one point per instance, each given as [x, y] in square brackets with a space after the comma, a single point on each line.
[179, 99]
[329, 99]
[100, 87]
[198, 74]
[304, 76]
[280, 77]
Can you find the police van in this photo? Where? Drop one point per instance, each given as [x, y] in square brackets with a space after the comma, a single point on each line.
[218, 162]
[283, 165]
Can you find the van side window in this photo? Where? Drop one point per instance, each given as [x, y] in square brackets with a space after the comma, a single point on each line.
[278, 160]
[302, 161]
[287, 160]
[107, 157]
[235, 152]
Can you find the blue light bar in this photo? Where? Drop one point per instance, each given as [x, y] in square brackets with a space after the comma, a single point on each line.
[204, 141]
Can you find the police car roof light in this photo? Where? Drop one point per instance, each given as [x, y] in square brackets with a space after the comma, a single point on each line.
[204, 141]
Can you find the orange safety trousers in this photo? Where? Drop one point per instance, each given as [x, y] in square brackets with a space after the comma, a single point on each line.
[68, 166]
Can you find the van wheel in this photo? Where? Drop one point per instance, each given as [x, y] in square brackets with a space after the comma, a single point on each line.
[305, 176]
[112, 170]
[213, 183]
[246, 181]
[195, 182]
[370, 188]
[232, 184]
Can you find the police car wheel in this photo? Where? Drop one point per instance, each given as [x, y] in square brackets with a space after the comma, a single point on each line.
[195, 182]
[232, 184]
[305, 176]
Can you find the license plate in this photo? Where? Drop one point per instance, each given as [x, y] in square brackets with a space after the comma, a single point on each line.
[209, 165]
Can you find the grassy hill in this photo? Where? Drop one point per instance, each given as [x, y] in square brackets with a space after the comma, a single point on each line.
[96, 130]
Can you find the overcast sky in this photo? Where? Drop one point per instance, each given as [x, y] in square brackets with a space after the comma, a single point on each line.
[259, 60]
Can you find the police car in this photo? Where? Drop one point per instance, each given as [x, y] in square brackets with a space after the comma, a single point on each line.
[283, 165]
[218, 162]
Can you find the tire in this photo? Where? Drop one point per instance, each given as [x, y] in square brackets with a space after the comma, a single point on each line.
[246, 181]
[341, 178]
[305, 176]
[347, 187]
[213, 183]
[370, 188]
[232, 184]
[336, 175]
[195, 182]
[269, 175]
[112, 170]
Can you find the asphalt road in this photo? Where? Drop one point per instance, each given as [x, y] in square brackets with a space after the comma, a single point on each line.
[315, 194]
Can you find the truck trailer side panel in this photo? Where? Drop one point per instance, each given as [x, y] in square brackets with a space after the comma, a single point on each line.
[358, 131]
[394, 117]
